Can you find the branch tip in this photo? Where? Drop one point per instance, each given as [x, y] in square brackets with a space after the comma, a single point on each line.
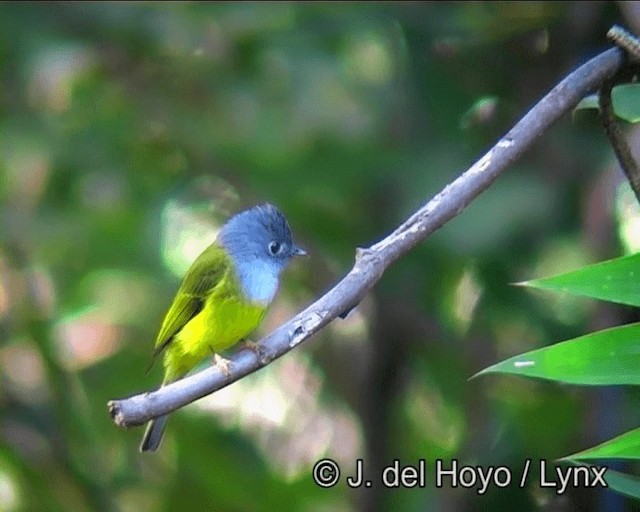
[115, 413]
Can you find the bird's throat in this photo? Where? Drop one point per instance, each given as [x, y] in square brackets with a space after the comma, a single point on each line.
[259, 281]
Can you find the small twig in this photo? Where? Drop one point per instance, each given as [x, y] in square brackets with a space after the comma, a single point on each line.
[616, 137]
[372, 262]
[625, 40]
[630, 44]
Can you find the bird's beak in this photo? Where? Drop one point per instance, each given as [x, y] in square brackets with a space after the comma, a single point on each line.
[298, 251]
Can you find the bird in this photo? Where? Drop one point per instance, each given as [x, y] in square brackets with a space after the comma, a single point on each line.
[223, 296]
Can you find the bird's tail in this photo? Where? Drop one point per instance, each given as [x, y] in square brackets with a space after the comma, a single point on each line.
[153, 435]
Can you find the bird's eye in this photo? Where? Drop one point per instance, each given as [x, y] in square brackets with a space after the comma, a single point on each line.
[274, 247]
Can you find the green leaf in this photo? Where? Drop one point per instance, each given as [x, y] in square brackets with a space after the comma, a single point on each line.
[587, 103]
[616, 280]
[628, 485]
[625, 446]
[625, 99]
[626, 102]
[606, 357]
[622, 483]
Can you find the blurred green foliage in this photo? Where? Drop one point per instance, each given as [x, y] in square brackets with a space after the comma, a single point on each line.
[131, 130]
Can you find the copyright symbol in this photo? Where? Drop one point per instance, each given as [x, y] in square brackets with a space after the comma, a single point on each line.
[326, 473]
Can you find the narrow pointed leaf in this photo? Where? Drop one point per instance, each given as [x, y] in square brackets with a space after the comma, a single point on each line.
[628, 485]
[616, 280]
[606, 357]
[625, 446]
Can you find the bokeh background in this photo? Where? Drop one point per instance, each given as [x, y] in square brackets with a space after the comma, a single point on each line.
[130, 131]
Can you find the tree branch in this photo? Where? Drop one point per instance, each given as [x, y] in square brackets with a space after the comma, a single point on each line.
[372, 262]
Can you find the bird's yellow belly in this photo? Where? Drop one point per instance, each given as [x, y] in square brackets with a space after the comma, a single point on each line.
[220, 324]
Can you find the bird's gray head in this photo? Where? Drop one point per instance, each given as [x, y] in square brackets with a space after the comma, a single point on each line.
[260, 245]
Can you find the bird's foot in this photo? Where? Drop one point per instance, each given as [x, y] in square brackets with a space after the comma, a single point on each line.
[223, 364]
[253, 346]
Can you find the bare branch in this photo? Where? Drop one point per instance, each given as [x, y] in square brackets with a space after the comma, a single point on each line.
[371, 263]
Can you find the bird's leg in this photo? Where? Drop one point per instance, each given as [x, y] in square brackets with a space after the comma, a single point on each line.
[223, 364]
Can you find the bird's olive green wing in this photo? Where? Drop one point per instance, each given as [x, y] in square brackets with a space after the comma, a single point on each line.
[205, 273]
